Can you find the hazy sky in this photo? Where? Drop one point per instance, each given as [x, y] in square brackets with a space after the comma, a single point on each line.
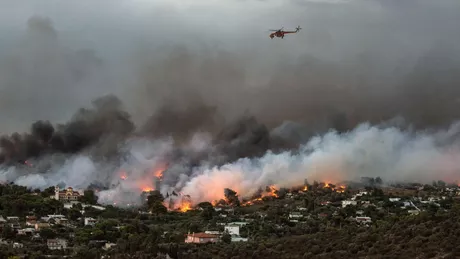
[140, 46]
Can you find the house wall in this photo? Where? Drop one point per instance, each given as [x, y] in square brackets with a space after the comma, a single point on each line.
[233, 230]
[191, 239]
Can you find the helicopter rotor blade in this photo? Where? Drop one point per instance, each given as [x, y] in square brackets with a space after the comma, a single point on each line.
[278, 29]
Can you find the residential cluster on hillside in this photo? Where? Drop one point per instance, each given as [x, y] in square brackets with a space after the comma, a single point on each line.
[63, 223]
[360, 206]
[33, 229]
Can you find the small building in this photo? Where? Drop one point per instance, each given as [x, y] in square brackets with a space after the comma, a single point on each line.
[361, 193]
[13, 222]
[413, 212]
[56, 244]
[31, 221]
[17, 245]
[93, 206]
[201, 238]
[2, 222]
[108, 246]
[364, 220]
[67, 195]
[238, 223]
[56, 216]
[295, 215]
[26, 231]
[394, 199]
[405, 205]
[62, 221]
[233, 229]
[12, 219]
[90, 221]
[40, 226]
[346, 203]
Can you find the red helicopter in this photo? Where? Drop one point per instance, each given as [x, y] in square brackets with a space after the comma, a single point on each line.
[280, 33]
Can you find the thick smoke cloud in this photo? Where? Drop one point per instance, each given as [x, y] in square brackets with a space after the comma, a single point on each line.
[86, 128]
[366, 151]
[213, 103]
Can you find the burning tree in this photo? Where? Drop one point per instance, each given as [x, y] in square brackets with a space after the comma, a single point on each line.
[186, 203]
[231, 197]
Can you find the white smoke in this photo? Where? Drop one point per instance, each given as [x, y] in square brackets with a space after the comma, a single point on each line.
[77, 170]
[388, 152]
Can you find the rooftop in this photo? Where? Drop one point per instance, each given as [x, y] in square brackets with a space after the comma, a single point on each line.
[203, 235]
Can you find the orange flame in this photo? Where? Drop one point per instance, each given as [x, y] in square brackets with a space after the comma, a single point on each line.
[185, 206]
[341, 189]
[305, 188]
[158, 173]
[123, 175]
[147, 189]
[271, 192]
[251, 202]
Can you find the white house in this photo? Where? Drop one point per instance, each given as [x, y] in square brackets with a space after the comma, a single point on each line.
[405, 205]
[413, 212]
[56, 244]
[109, 246]
[361, 193]
[26, 231]
[295, 215]
[54, 216]
[14, 222]
[18, 245]
[238, 223]
[346, 203]
[90, 221]
[394, 199]
[364, 220]
[233, 229]
[2, 221]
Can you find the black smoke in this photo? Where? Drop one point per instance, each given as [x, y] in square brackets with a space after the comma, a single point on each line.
[88, 127]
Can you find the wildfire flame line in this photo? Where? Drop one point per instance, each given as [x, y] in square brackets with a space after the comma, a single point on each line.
[185, 203]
